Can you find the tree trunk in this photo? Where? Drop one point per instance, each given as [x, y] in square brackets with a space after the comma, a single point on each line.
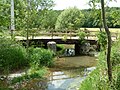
[27, 36]
[12, 18]
[108, 43]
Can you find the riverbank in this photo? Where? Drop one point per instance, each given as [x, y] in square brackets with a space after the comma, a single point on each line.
[75, 62]
[98, 79]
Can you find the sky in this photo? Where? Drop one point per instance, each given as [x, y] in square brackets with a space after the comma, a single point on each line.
[81, 4]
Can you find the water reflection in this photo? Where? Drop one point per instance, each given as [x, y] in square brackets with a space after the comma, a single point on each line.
[68, 79]
[69, 72]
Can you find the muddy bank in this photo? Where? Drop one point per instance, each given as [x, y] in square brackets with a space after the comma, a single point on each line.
[74, 62]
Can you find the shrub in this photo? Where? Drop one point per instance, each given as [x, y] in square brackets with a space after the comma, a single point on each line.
[82, 35]
[41, 57]
[31, 74]
[115, 53]
[115, 56]
[102, 40]
[33, 79]
[118, 81]
[62, 49]
[12, 55]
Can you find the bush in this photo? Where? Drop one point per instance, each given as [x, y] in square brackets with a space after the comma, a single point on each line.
[12, 55]
[115, 53]
[41, 57]
[115, 56]
[82, 35]
[33, 79]
[118, 81]
[102, 39]
[31, 74]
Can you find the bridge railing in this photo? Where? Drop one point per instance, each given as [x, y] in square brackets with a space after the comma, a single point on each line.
[92, 34]
[67, 33]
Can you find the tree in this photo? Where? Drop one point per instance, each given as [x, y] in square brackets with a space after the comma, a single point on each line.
[113, 16]
[92, 18]
[37, 9]
[109, 41]
[47, 19]
[70, 18]
[103, 14]
[4, 16]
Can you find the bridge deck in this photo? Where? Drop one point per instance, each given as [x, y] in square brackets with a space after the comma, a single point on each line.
[59, 37]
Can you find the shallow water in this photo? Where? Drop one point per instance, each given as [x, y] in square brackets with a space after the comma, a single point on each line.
[69, 72]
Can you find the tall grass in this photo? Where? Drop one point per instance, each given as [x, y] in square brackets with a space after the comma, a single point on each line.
[12, 55]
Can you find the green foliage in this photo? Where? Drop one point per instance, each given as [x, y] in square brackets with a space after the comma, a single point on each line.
[42, 16]
[12, 55]
[98, 79]
[102, 39]
[31, 74]
[71, 18]
[4, 16]
[115, 57]
[39, 9]
[115, 54]
[41, 57]
[92, 18]
[118, 82]
[36, 15]
[82, 35]
[113, 15]
[61, 52]
[47, 19]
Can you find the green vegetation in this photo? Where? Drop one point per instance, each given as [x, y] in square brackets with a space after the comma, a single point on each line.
[115, 55]
[61, 49]
[12, 55]
[46, 18]
[82, 36]
[31, 74]
[102, 39]
[71, 18]
[98, 79]
[117, 84]
[30, 20]
[41, 57]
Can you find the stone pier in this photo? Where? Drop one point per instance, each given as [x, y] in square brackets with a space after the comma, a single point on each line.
[52, 46]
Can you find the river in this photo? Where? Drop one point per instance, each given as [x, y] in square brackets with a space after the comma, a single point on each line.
[69, 72]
